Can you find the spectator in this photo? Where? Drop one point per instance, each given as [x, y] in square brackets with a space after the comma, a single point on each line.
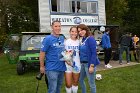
[88, 58]
[107, 47]
[135, 40]
[52, 46]
[131, 48]
[125, 43]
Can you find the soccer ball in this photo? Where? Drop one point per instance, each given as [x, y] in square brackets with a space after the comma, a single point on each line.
[98, 76]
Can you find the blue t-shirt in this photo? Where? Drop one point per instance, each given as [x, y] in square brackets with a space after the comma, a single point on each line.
[53, 46]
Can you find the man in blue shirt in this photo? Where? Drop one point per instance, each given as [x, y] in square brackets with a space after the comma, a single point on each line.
[51, 48]
[107, 47]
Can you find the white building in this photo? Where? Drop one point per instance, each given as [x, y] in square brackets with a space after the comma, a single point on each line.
[71, 12]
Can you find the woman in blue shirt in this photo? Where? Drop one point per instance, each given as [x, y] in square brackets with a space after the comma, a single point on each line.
[88, 58]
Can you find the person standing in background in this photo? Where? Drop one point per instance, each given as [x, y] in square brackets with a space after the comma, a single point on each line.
[88, 58]
[131, 48]
[51, 48]
[125, 43]
[106, 44]
[135, 41]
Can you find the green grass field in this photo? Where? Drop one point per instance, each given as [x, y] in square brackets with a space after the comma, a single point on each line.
[120, 80]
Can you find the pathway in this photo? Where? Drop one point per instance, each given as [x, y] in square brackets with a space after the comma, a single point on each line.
[115, 64]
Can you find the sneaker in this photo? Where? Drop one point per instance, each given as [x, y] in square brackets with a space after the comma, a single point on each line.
[109, 65]
[128, 63]
[106, 66]
[120, 63]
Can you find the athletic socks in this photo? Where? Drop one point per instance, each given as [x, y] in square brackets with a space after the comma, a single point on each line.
[68, 90]
[74, 89]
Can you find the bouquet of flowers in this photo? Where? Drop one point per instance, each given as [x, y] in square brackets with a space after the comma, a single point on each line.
[67, 55]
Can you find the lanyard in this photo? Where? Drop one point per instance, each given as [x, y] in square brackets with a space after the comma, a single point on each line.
[81, 43]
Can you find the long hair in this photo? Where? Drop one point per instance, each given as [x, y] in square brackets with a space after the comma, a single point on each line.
[84, 27]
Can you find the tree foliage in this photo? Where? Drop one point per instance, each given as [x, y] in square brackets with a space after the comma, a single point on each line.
[115, 9]
[124, 13]
[131, 18]
[17, 16]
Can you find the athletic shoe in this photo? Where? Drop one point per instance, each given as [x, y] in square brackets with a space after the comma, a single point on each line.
[106, 66]
[128, 63]
[109, 65]
[120, 63]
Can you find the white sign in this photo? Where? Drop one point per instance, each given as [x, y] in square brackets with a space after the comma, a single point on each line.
[75, 20]
[102, 28]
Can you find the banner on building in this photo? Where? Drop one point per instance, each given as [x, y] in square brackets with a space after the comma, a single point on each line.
[75, 20]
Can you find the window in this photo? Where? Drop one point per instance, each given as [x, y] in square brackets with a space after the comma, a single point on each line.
[72, 6]
[93, 7]
[32, 42]
[83, 7]
[63, 6]
[54, 5]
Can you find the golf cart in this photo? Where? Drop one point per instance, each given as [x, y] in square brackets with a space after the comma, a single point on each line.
[24, 49]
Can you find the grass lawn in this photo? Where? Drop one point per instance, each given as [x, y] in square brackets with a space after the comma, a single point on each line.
[119, 80]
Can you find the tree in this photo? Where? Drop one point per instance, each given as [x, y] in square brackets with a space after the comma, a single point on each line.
[124, 13]
[17, 16]
[131, 19]
[115, 9]
[20, 15]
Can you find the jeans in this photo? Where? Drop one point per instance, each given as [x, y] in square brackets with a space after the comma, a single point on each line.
[91, 78]
[122, 48]
[55, 80]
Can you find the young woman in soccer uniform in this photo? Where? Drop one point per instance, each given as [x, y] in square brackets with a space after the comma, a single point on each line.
[73, 68]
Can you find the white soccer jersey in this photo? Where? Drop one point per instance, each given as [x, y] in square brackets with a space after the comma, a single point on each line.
[74, 46]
